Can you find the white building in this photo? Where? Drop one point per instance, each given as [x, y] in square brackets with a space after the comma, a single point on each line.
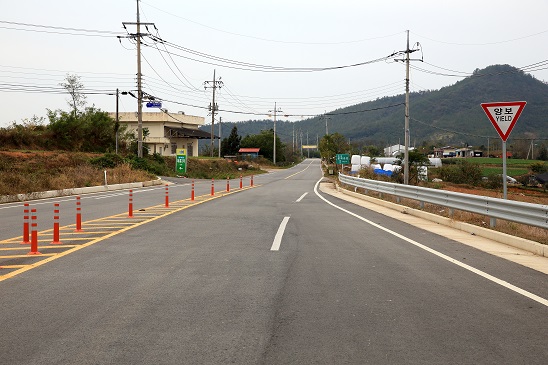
[167, 132]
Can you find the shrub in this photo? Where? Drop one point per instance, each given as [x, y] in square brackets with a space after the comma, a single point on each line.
[108, 160]
[461, 173]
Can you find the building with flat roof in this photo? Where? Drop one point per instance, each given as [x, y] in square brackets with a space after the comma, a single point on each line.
[167, 132]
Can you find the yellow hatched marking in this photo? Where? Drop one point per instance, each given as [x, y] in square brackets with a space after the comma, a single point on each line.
[51, 257]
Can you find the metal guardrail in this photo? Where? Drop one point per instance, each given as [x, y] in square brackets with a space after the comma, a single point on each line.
[519, 212]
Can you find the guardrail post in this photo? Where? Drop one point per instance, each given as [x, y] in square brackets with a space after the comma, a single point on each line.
[130, 204]
[34, 234]
[451, 212]
[192, 191]
[492, 222]
[26, 239]
[421, 204]
[227, 184]
[212, 187]
[56, 240]
[167, 197]
[78, 215]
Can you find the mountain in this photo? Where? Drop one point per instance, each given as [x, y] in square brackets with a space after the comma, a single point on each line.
[451, 115]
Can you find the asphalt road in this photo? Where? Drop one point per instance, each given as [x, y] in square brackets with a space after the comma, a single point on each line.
[209, 285]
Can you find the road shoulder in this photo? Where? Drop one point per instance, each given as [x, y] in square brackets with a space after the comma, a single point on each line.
[490, 246]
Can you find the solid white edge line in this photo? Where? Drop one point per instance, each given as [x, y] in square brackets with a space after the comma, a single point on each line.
[301, 198]
[441, 255]
[278, 238]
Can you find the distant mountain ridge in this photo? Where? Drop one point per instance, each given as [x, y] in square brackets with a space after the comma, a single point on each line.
[450, 115]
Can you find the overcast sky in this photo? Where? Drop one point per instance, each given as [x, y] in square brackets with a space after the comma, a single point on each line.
[42, 41]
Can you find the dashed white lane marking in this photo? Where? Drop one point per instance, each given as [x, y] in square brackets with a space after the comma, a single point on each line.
[301, 198]
[278, 238]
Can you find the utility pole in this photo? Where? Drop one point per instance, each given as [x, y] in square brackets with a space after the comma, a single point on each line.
[137, 37]
[308, 144]
[276, 110]
[117, 125]
[407, 138]
[220, 121]
[325, 117]
[213, 107]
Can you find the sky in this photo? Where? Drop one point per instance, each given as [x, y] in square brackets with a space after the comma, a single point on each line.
[331, 54]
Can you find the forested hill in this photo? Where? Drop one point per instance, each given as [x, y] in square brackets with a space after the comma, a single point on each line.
[451, 115]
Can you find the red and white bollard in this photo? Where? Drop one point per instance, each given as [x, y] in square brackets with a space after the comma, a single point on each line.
[34, 234]
[78, 215]
[227, 184]
[26, 218]
[192, 191]
[167, 197]
[241, 183]
[251, 180]
[56, 240]
[212, 187]
[130, 204]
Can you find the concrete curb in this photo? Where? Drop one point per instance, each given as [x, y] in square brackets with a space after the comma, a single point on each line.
[76, 191]
[517, 242]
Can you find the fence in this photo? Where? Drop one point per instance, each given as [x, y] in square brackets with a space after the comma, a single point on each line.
[519, 212]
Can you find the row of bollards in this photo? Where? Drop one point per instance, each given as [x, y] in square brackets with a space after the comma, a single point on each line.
[30, 219]
[30, 226]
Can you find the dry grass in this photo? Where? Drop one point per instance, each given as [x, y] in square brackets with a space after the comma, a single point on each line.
[27, 172]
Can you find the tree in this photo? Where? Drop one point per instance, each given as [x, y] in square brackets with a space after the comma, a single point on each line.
[264, 141]
[416, 160]
[331, 144]
[231, 145]
[91, 130]
[74, 87]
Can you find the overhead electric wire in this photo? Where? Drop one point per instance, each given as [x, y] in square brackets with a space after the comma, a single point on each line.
[471, 134]
[485, 43]
[234, 64]
[272, 40]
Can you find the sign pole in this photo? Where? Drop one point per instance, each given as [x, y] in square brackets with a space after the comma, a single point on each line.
[504, 182]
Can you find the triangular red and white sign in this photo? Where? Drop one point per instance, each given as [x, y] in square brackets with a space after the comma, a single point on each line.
[504, 115]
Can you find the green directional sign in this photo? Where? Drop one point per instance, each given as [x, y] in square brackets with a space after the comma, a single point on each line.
[181, 161]
[342, 159]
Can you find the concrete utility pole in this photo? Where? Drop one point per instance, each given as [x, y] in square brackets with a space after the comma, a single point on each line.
[213, 107]
[137, 37]
[325, 117]
[407, 138]
[117, 118]
[220, 121]
[276, 110]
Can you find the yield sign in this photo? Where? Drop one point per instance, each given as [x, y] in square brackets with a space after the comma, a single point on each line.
[504, 115]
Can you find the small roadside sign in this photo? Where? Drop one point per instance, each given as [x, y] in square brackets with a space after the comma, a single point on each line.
[181, 161]
[504, 115]
[342, 159]
[154, 104]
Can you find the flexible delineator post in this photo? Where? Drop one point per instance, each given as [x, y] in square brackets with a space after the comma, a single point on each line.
[26, 217]
[78, 215]
[167, 197]
[192, 191]
[212, 187]
[130, 204]
[56, 240]
[34, 234]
